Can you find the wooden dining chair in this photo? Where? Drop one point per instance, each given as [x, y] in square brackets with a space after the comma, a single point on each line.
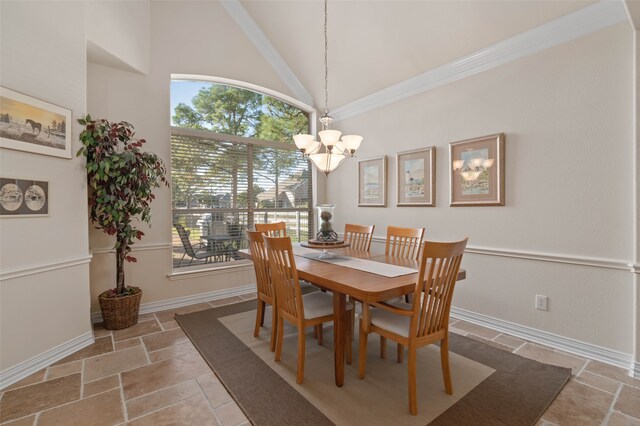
[359, 236]
[265, 289]
[404, 242]
[301, 311]
[424, 321]
[277, 229]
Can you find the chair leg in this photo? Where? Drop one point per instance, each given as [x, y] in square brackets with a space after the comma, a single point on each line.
[264, 304]
[315, 331]
[362, 361]
[259, 315]
[349, 338]
[444, 358]
[413, 403]
[301, 349]
[274, 328]
[319, 334]
[400, 353]
[279, 340]
[383, 347]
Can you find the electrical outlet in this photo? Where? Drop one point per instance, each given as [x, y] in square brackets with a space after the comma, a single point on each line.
[542, 302]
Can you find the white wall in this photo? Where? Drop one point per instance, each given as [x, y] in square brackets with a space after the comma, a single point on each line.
[186, 38]
[118, 33]
[567, 116]
[44, 292]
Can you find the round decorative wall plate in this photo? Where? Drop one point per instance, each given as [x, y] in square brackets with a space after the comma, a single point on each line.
[35, 198]
[11, 197]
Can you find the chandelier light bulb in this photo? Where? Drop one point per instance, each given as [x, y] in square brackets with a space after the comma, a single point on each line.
[329, 137]
[303, 141]
[351, 142]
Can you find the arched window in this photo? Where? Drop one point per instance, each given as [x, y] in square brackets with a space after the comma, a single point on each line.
[234, 164]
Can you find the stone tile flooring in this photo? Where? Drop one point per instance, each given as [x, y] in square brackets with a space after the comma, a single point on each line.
[150, 374]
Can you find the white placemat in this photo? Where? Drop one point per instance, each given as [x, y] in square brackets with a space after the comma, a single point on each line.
[365, 265]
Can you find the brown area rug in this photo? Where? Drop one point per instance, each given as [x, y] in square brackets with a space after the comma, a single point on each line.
[516, 390]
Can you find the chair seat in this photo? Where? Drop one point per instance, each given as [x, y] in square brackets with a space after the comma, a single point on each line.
[395, 323]
[318, 304]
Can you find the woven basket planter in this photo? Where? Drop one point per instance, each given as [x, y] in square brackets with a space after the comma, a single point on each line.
[120, 312]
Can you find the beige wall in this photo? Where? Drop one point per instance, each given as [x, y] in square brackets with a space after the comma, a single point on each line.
[44, 292]
[566, 112]
[177, 34]
[567, 116]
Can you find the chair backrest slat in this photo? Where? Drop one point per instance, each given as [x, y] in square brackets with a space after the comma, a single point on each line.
[404, 242]
[439, 267]
[261, 264]
[359, 236]
[278, 229]
[284, 275]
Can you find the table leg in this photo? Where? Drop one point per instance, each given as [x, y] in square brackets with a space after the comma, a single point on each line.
[339, 311]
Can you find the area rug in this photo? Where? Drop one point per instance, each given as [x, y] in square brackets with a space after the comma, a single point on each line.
[491, 386]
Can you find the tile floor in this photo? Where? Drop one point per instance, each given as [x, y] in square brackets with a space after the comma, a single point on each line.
[151, 374]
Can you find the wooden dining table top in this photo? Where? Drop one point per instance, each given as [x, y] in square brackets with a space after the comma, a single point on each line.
[362, 285]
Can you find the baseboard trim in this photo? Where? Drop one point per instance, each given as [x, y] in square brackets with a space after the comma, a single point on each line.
[636, 370]
[35, 364]
[178, 302]
[577, 347]
[10, 274]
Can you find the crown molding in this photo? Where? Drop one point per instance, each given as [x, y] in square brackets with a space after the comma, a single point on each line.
[266, 48]
[577, 24]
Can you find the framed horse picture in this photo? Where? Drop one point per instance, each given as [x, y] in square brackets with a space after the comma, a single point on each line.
[29, 124]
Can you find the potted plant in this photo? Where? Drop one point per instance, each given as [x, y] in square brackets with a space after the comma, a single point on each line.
[121, 178]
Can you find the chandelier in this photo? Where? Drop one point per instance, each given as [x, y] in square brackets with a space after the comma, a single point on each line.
[329, 153]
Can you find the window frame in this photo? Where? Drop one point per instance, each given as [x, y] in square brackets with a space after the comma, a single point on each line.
[207, 134]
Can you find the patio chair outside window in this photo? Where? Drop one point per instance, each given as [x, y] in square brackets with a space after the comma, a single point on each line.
[198, 251]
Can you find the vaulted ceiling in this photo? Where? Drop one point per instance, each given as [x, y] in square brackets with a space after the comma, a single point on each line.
[375, 44]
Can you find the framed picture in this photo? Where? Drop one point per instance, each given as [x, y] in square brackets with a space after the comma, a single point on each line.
[416, 177]
[372, 182]
[29, 124]
[23, 197]
[477, 171]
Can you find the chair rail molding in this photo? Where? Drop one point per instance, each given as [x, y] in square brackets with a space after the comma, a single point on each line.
[38, 362]
[12, 273]
[587, 20]
[136, 247]
[546, 257]
[567, 344]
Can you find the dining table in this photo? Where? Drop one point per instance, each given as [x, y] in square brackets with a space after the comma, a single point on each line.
[362, 285]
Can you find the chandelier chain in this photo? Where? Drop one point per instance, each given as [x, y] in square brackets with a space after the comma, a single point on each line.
[326, 67]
